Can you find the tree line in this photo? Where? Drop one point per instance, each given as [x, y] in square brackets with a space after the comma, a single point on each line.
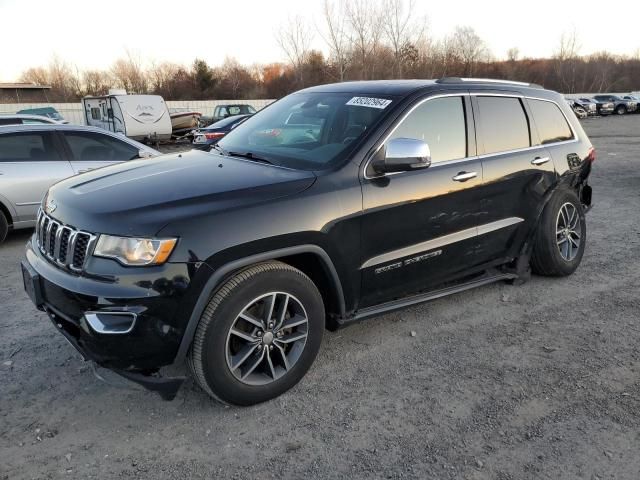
[364, 40]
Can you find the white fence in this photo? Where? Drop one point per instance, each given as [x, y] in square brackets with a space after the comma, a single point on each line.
[73, 111]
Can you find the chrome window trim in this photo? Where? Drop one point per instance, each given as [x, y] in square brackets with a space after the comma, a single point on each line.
[442, 241]
[474, 157]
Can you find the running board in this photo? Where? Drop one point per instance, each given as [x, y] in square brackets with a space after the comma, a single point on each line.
[425, 297]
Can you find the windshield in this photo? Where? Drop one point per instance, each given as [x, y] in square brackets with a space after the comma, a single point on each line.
[308, 131]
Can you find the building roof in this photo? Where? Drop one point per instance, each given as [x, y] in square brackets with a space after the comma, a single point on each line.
[23, 86]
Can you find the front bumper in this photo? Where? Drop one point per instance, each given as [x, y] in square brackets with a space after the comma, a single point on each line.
[159, 306]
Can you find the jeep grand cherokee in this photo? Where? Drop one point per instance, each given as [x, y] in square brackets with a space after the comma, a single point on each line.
[379, 196]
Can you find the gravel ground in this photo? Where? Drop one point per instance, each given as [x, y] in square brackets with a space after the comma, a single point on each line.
[502, 382]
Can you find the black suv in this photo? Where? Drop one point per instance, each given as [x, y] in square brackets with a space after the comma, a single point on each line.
[378, 196]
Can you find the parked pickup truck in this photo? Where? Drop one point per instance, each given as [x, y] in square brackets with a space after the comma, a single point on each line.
[335, 204]
[620, 105]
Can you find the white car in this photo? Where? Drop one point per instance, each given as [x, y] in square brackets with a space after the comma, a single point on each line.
[26, 119]
[34, 157]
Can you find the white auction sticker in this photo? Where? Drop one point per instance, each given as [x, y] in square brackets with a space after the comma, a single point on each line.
[369, 102]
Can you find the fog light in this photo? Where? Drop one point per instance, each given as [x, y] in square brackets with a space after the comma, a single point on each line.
[111, 322]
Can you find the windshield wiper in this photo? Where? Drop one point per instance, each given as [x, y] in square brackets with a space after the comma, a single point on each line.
[219, 148]
[250, 156]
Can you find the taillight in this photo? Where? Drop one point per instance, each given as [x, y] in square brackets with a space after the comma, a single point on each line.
[214, 135]
[591, 156]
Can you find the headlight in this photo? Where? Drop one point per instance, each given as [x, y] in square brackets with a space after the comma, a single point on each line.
[135, 251]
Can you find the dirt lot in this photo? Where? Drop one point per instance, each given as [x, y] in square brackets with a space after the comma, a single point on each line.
[537, 381]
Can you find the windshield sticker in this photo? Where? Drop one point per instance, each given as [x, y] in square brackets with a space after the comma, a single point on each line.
[369, 102]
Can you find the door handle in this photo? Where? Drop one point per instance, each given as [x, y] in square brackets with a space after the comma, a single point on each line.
[540, 160]
[464, 176]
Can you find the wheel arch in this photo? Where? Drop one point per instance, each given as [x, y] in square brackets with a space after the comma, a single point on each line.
[310, 259]
[4, 209]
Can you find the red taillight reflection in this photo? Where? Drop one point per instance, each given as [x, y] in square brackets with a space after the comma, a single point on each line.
[591, 156]
[214, 135]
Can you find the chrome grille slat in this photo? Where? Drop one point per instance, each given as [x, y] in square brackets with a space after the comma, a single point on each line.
[64, 245]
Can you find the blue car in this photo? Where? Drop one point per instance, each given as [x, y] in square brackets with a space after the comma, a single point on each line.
[205, 138]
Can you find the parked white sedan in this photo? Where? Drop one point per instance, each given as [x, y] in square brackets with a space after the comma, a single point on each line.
[33, 157]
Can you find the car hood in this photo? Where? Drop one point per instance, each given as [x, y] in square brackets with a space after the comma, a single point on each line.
[141, 196]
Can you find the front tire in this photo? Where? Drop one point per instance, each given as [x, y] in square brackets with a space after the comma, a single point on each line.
[4, 227]
[258, 335]
[621, 110]
[561, 236]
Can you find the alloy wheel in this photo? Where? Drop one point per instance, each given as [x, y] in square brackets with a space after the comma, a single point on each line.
[267, 338]
[568, 233]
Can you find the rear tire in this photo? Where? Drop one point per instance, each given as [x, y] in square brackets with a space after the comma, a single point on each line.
[258, 335]
[561, 236]
[4, 227]
[621, 110]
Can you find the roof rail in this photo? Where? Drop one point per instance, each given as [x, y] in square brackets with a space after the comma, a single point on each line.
[486, 80]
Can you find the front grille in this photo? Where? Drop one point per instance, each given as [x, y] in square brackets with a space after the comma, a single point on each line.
[62, 244]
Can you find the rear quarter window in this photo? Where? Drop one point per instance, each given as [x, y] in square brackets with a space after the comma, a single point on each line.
[503, 124]
[551, 123]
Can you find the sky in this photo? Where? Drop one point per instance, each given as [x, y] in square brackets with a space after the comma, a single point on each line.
[94, 33]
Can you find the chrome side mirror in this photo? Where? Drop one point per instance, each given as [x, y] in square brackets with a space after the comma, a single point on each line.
[404, 154]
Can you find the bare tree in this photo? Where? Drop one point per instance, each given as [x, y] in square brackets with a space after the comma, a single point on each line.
[513, 54]
[96, 82]
[128, 74]
[161, 76]
[295, 38]
[469, 48]
[337, 36]
[401, 29]
[364, 19]
[566, 61]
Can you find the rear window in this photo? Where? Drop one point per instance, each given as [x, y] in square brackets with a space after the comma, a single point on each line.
[551, 123]
[27, 147]
[503, 124]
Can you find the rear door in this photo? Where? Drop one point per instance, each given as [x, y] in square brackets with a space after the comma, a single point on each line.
[30, 162]
[419, 227]
[518, 171]
[91, 150]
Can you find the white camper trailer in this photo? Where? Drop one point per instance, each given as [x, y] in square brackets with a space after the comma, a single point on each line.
[141, 117]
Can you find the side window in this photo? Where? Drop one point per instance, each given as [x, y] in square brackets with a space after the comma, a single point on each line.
[222, 111]
[551, 123]
[34, 121]
[28, 147]
[96, 147]
[95, 113]
[441, 123]
[503, 124]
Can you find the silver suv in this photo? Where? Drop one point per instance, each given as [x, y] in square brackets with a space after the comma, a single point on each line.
[34, 157]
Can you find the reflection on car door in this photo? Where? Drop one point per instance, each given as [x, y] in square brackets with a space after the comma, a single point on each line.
[419, 227]
[30, 162]
[91, 150]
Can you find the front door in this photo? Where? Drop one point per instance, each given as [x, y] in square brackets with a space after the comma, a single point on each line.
[419, 227]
